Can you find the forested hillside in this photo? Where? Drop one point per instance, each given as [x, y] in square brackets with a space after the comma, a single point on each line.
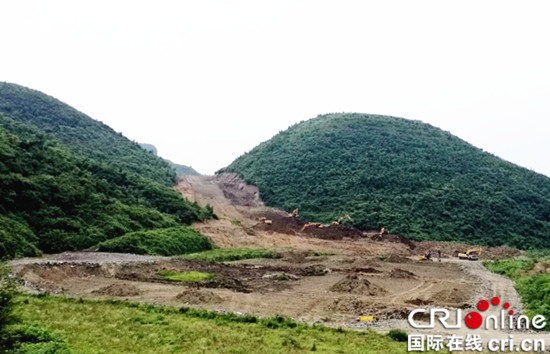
[68, 182]
[410, 177]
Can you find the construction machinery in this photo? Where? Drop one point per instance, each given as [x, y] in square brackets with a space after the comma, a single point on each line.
[472, 254]
[293, 214]
[425, 257]
[311, 224]
[342, 218]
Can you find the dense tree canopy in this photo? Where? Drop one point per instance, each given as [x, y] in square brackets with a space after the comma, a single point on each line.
[68, 182]
[407, 176]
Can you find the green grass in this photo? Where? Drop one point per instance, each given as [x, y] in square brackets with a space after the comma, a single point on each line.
[230, 254]
[89, 326]
[236, 254]
[191, 276]
[170, 241]
[534, 289]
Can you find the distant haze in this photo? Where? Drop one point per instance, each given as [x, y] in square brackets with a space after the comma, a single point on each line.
[205, 81]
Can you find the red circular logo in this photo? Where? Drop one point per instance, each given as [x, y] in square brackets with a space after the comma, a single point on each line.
[506, 305]
[473, 320]
[483, 305]
[495, 301]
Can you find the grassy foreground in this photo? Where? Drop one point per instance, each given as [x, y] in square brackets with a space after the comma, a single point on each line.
[89, 326]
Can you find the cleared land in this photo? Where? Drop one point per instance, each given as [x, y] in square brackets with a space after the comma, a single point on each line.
[365, 274]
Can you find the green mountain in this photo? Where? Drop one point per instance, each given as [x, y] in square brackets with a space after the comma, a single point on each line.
[68, 182]
[407, 176]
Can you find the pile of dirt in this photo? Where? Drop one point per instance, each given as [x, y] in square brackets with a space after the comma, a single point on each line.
[401, 273]
[393, 314]
[418, 302]
[281, 222]
[394, 258]
[350, 306]
[118, 289]
[394, 239]
[193, 296]
[58, 272]
[450, 296]
[355, 285]
[368, 270]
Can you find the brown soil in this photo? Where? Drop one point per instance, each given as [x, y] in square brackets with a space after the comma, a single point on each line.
[121, 289]
[359, 278]
[401, 273]
[194, 296]
[354, 284]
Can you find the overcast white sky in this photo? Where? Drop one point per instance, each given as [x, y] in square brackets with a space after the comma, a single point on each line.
[205, 81]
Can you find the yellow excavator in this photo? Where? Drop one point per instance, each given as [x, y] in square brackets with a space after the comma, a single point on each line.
[425, 257]
[311, 224]
[472, 254]
[342, 218]
[293, 214]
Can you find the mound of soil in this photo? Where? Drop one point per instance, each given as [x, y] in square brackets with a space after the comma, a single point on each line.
[401, 273]
[450, 296]
[194, 296]
[118, 289]
[282, 223]
[393, 314]
[394, 239]
[353, 284]
[350, 306]
[368, 270]
[418, 302]
[394, 258]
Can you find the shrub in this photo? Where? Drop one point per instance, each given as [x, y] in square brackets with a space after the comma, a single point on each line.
[398, 335]
[7, 293]
[163, 242]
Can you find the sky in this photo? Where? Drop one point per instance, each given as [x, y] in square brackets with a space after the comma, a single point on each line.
[205, 81]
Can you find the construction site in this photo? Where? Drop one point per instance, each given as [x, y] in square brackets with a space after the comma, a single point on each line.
[328, 274]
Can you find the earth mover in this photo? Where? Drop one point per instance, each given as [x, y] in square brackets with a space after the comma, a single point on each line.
[472, 254]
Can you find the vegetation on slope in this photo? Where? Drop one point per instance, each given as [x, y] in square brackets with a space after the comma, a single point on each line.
[58, 193]
[121, 327]
[406, 176]
[533, 286]
[162, 242]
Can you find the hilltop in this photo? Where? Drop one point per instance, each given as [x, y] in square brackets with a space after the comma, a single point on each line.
[181, 170]
[407, 176]
[68, 182]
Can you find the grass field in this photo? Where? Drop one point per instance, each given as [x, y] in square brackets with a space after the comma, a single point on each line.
[533, 286]
[230, 254]
[88, 326]
[191, 276]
